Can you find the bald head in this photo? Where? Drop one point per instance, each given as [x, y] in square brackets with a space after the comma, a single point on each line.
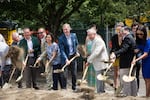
[15, 36]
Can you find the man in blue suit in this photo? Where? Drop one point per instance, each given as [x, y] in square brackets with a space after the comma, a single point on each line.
[68, 46]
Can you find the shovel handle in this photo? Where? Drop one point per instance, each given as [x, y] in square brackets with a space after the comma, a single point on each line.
[77, 55]
[84, 74]
[35, 63]
[108, 68]
[62, 69]
[110, 65]
[131, 68]
[47, 63]
[130, 72]
[25, 62]
[12, 73]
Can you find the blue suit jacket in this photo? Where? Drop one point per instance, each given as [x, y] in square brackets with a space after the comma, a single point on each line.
[64, 47]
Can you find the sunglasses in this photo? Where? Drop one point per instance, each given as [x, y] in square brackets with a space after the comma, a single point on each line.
[40, 32]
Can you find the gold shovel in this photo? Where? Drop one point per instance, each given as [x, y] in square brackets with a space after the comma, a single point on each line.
[21, 76]
[80, 81]
[61, 70]
[46, 68]
[104, 77]
[8, 85]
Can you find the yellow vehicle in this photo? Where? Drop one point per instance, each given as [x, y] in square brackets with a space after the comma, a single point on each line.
[6, 29]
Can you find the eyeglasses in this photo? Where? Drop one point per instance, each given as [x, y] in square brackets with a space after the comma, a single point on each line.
[40, 32]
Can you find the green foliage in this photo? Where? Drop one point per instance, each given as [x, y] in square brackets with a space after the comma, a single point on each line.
[79, 13]
[48, 13]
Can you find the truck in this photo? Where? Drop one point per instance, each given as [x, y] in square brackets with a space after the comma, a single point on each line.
[6, 29]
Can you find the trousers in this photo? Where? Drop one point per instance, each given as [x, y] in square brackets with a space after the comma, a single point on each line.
[128, 88]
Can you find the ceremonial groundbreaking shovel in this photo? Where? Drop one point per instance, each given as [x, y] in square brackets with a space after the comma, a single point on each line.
[129, 78]
[46, 68]
[61, 70]
[80, 81]
[35, 63]
[21, 76]
[8, 85]
[104, 77]
[84, 74]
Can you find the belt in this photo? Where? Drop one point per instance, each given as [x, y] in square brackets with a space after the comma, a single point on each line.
[31, 57]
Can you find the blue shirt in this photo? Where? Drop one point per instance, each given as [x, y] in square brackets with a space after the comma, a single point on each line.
[145, 48]
[70, 45]
[54, 48]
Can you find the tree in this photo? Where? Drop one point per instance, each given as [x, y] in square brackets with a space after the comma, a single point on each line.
[48, 13]
[138, 8]
[101, 12]
[80, 13]
[108, 12]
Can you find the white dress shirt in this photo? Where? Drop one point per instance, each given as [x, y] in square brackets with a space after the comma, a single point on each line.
[70, 45]
[30, 46]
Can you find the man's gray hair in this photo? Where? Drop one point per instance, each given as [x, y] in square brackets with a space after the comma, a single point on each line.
[68, 25]
[92, 30]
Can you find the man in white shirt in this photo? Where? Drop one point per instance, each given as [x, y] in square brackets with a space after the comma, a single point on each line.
[31, 48]
[2, 38]
[3, 52]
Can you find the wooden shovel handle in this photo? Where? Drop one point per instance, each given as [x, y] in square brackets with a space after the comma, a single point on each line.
[77, 55]
[84, 74]
[131, 68]
[12, 73]
[62, 69]
[108, 68]
[25, 62]
[47, 63]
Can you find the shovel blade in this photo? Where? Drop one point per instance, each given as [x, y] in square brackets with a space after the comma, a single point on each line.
[79, 82]
[19, 78]
[128, 78]
[102, 77]
[6, 86]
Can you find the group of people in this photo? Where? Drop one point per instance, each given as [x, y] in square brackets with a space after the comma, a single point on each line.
[54, 55]
[57, 54]
[128, 44]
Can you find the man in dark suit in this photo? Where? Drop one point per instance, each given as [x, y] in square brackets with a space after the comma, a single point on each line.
[31, 47]
[68, 46]
[126, 53]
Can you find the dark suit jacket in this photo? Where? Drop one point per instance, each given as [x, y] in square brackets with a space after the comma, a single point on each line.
[126, 51]
[64, 47]
[36, 46]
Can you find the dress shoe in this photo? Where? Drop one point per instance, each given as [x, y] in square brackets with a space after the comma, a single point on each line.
[19, 86]
[36, 88]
